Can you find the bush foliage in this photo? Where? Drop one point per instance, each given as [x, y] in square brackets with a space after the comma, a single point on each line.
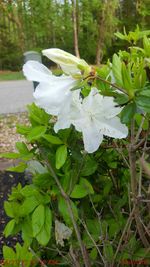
[87, 209]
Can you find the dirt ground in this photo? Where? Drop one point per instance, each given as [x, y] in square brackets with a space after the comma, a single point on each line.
[8, 135]
[8, 138]
[7, 181]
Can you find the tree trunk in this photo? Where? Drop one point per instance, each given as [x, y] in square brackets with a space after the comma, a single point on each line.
[101, 35]
[15, 19]
[75, 31]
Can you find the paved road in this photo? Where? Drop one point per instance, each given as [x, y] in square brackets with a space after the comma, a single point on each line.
[15, 95]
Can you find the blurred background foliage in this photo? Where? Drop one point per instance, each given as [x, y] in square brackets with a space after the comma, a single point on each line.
[36, 25]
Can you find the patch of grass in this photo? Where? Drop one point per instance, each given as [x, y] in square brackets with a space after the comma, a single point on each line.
[11, 75]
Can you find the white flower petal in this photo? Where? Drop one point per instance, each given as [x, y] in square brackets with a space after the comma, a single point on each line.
[91, 138]
[51, 96]
[68, 112]
[112, 128]
[35, 71]
[110, 108]
[63, 119]
[102, 106]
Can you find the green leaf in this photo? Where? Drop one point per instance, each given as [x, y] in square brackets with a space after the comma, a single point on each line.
[9, 253]
[146, 45]
[116, 69]
[8, 209]
[86, 184]
[63, 209]
[28, 190]
[9, 228]
[142, 253]
[19, 168]
[27, 232]
[82, 189]
[128, 112]
[44, 235]
[28, 205]
[126, 77]
[89, 167]
[61, 156]
[37, 115]
[43, 180]
[114, 228]
[53, 139]
[138, 119]
[143, 101]
[120, 35]
[108, 252]
[121, 98]
[93, 226]
[22, 148]
[10, 155]
[140, 78]
[93, 254]
[38, 219]
[22, 129]
[36, 133]
[79, 192]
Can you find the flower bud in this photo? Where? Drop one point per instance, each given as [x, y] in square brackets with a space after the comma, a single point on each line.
[69, 63]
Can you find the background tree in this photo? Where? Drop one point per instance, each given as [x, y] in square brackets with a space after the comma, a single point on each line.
[79, 26]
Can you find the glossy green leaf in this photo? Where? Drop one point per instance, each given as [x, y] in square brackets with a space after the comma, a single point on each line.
[19, 168]
[139, 118]
[10, 155]
[8, 209]
[93, 254]
[116, 69]
[44, 235]
[9, 228]
[90, 166]
[22, 148]
[82, 189]
[9, 253]
[38, 219]
[128, 112]
[126, 77]
[53, 139]
[61, 156]
[37, 115]
[36, 133]
[63, 209]
[108, 252]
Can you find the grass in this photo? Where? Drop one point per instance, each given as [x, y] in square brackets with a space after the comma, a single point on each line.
[11, 75]
[18, 75]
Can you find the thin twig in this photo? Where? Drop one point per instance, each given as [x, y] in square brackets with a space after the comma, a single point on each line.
[112, 84]
[67, 199]
[140, 129]
[121, 153]
[133, 173]
[37, 257]
[130, 218]
[140, 183]
[105, 81]
[73, 257]
[145, 166]
[88, 233]
[146, 229]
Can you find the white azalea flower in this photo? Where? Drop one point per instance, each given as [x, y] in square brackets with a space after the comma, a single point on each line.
[95, 117]
[69, 63]
[52, 91]
[68, 111]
